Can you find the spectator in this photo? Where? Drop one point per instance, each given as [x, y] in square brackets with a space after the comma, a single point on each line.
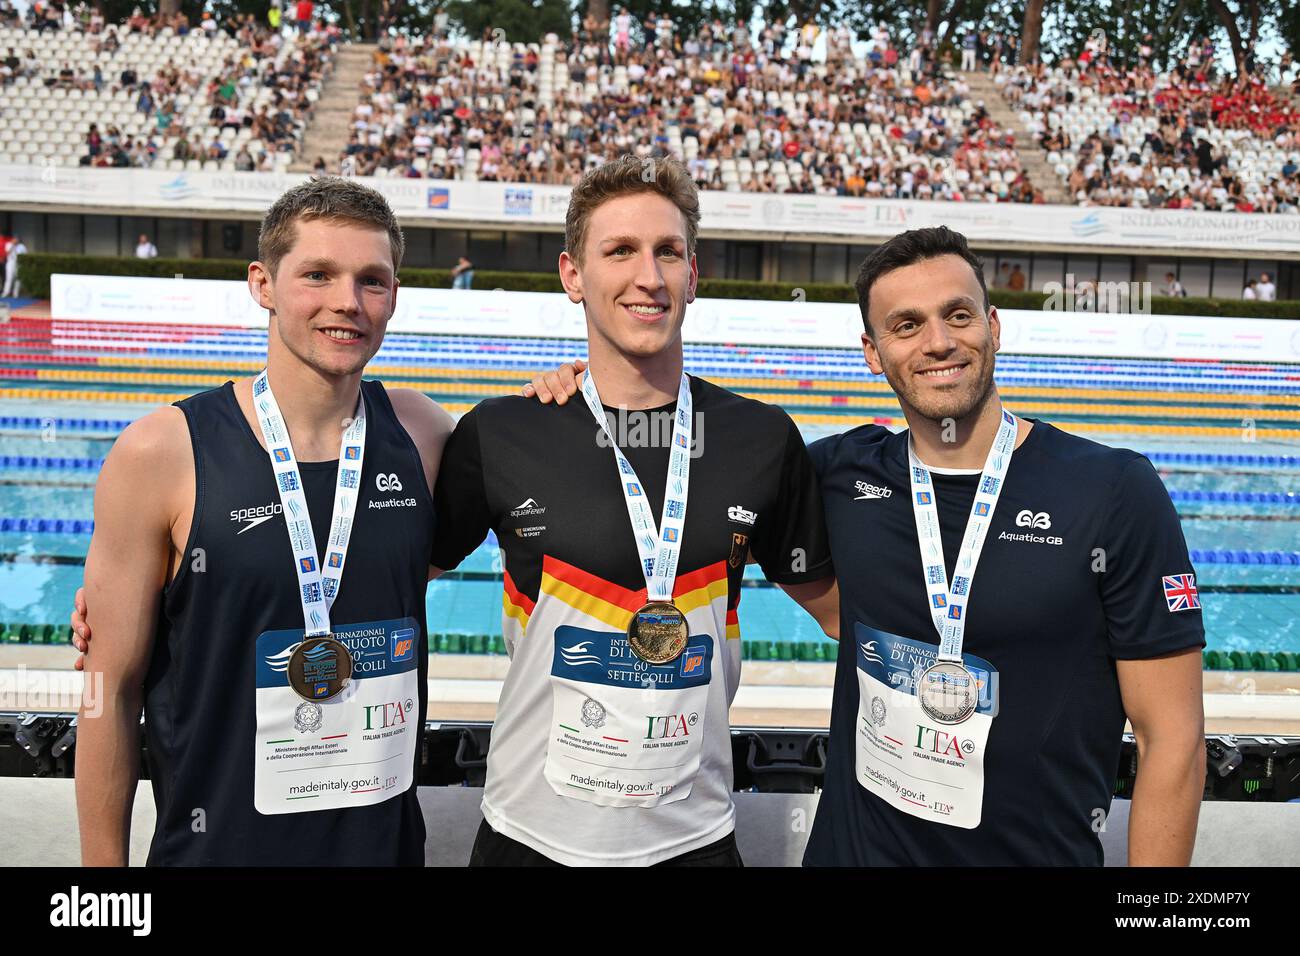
[12, 285]
[765, 122]
[1003, 278]
[302, 13]
[1173, 287]
[462, 274]
[1266, 290]
[969, 49]
[1190, 117]
[622, 33]
[1016, 281]
[1249, 292]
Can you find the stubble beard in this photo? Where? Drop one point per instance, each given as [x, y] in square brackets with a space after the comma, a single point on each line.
[955, 405]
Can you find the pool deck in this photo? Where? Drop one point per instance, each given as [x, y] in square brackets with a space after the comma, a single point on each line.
[773, 694]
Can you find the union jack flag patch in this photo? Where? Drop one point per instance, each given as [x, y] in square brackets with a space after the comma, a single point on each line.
[1180, 592]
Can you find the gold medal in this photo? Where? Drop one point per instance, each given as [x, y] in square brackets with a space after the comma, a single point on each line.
[320, 668]
[658, 632]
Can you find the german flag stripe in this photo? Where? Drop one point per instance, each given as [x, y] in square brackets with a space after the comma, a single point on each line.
[516, 603]
[701, 587]
[562, 573]
[613, 604]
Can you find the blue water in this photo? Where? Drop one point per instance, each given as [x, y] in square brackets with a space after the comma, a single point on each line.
[36, 587]
[39, 571]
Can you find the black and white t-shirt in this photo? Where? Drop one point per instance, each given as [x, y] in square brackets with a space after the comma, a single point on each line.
[597, 757]
[1084, 564]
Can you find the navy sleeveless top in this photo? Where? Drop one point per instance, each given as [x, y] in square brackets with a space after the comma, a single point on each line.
[236, 582]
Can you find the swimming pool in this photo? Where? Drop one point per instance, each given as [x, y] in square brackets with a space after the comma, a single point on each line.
[1225, 438]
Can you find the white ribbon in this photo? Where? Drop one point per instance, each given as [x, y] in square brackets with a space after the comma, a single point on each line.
[659, 546]
[317, 586]
[948, 605]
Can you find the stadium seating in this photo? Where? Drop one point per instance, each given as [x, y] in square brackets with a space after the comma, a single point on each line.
[1162, 140]
[741, 121]
[745, 115]
[74, 79]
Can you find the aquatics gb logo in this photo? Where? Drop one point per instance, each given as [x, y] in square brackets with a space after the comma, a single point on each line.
[1028, 519]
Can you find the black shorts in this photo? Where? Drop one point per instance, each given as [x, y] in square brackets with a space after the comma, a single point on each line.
[496, 849]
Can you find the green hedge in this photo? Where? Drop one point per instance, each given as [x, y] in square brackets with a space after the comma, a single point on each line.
[35, 270]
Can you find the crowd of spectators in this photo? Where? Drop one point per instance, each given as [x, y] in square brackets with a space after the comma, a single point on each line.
[54, 16]
[1190, 137]
[255, 102]
[777, 110]
[746, 112]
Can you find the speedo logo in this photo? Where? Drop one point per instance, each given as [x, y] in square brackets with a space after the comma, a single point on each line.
[866, 491]
[252, 517]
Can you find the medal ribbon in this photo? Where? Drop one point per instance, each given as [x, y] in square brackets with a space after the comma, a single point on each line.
[317, 586]
[659, 547]
[948, 605]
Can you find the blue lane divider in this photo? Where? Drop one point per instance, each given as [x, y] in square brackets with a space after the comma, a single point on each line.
[1240, 557]
[84, 424]
[48, 525]
[1237, 497]
[1190, 458]
[50, 463]
[45, 463]
[1245, 557]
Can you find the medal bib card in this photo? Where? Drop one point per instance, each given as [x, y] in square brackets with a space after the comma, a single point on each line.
[353, 750]
[918, 765]
[625, 732]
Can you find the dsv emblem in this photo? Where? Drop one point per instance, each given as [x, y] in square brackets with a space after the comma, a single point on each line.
[388, 482]
[1027, 519]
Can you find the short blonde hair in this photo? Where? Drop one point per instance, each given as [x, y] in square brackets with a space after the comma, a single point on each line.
[325, 197]
[627, 176]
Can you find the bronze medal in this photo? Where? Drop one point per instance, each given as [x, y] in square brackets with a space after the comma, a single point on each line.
[320, 668]
[657, 633]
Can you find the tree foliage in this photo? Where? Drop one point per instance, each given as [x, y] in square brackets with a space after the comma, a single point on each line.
[521, 20]
[1066, 24]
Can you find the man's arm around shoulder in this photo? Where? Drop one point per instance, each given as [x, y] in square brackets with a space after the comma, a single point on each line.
[131, 554]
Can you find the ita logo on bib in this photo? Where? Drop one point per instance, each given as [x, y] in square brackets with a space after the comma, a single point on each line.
[625, 731]
[354, 748]
[923, 719]
[921, 766]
